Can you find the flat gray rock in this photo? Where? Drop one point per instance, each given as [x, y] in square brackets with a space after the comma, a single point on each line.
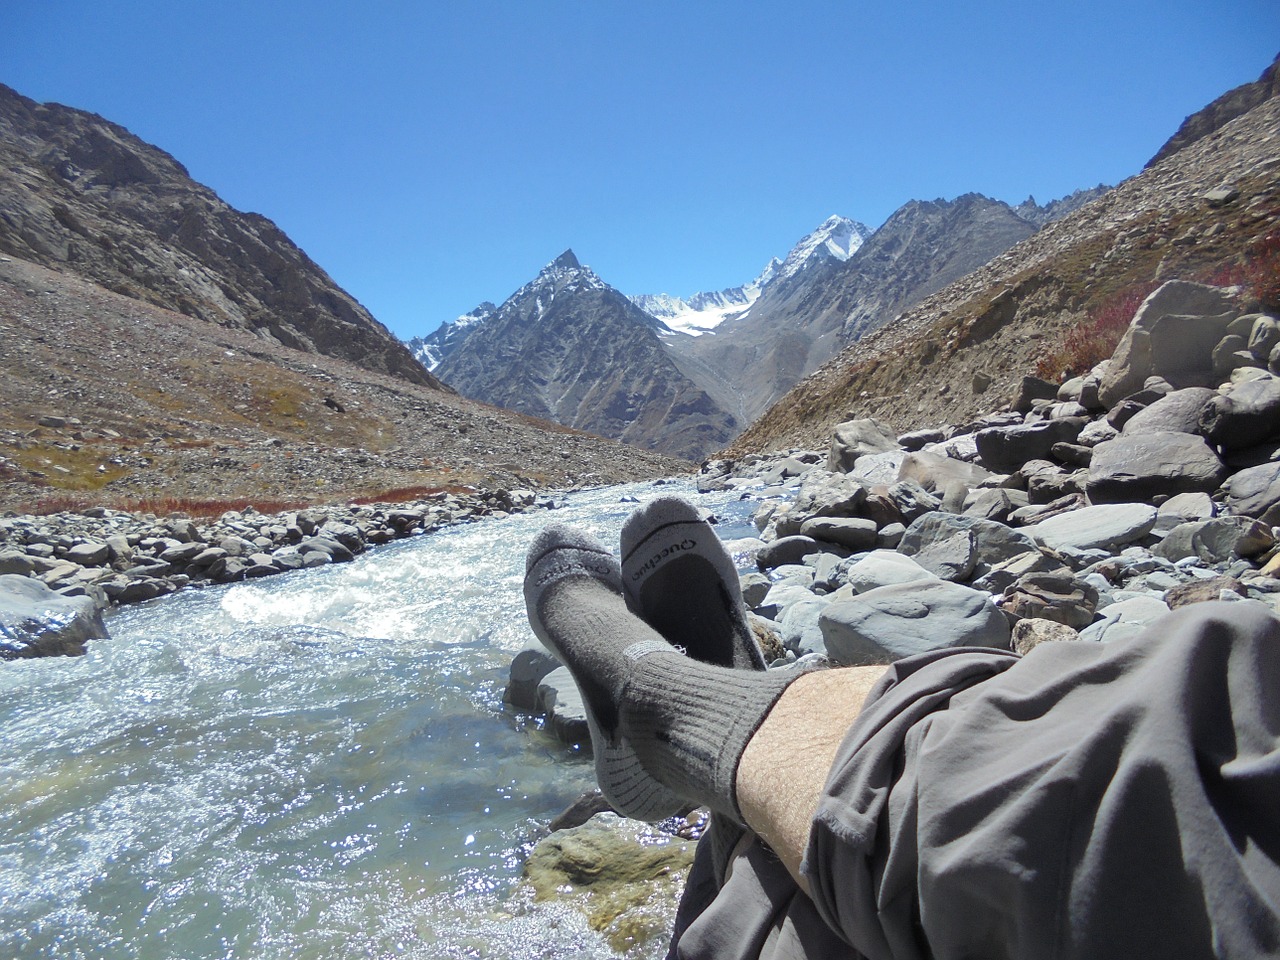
[566, 713]
[852, 532]
[35, 621]
[1255, 492]
[1176, 412]
[1103, 526]
[891, 623]
[1138, 468]
[882, 568]
[1125, 619]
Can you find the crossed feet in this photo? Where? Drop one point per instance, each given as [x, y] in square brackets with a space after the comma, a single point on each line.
[660, 647]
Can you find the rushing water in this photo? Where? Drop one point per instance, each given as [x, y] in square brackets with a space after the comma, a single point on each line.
[317, 765]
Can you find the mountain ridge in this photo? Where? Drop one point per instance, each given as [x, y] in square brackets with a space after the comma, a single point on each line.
[82, 193]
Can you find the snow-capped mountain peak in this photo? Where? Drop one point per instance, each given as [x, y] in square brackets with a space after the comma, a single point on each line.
[838, 238]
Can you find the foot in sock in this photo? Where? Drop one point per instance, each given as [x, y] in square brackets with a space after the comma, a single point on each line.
[572, 593]
[678, 578]
[667, 730]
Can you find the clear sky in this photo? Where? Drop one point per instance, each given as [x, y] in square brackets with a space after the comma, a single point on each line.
[432, 155]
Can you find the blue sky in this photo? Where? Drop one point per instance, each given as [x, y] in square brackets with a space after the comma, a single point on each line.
[434, 155]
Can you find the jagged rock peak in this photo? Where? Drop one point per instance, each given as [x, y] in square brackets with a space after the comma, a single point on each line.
[566, 261]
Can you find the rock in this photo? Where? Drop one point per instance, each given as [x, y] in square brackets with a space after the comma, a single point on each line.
[854, 533]
[856, 438]
[821, 494]
[936, 473]
[1125, 619]
[1176, 412]
[580, 811]
[1010, 447]
[890, 536]
[890, 623]
[1199, 591]
[1141, 467]
[528, 668]
[791, 549]
[35, 621]
[1061, 598]
[24, 564]
[183, 554]
[1030, 633]
[559, 700]
[1246, 417]
[754, 586]
[877, 468]
[992, 543]
[1264, 337]
[623, 875]
[1215, 541]
[1255, 492]
[91, 554]
[919, 438]
[1106, 525]
[911, 500]
[1174, 329]
[949, 553]
[1097, 432]
[882, 568]
[1188, 506]
[800, 628]
[1032, 389]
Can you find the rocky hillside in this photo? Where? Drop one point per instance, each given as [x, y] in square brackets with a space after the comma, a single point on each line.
[84, 195]
[806, 316]
[568, 347]
[1232, 104]
[110, 400]
[962, 351]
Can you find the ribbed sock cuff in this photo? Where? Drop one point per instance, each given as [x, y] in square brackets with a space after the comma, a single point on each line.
[689, 723]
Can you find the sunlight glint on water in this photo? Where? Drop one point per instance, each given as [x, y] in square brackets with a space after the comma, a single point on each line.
[317, 765]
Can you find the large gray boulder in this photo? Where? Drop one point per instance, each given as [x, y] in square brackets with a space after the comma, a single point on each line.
[1216, 540]
[35, 621]
[1176, 412]
[1104, 526]
[1255, 492]
[1007, 448]
[857, 438]
[1137, 468]
[1247, 416]
[852, 532]
[990, 543]
[1173, 331]
[890, 623]
[883, 568]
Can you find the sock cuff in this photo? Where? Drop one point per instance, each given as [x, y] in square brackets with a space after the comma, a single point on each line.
[690, 723]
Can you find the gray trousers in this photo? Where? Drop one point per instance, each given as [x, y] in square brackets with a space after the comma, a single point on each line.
[1089, 800]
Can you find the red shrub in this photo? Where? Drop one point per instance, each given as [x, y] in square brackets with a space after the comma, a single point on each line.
[1096, 338]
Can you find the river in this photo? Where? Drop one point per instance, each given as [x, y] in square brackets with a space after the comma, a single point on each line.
[313, 766]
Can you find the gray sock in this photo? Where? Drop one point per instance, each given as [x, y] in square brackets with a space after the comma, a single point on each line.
[678, 578]
[666, 729]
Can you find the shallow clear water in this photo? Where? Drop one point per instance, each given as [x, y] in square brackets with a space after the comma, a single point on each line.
[317, 765]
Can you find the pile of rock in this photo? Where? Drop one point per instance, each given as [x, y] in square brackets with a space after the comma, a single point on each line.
[1085, 511]
[1088, 509]
[110, 556]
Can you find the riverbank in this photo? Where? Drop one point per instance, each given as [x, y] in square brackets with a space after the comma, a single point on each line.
[103, 557]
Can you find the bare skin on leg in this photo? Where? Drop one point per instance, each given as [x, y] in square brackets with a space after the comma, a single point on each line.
[786, 762]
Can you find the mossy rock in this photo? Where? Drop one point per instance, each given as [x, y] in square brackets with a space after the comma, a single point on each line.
[625, 876]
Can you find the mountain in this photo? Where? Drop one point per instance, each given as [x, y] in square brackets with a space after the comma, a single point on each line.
[570, 348]
[82, 194]
[837, 238]
[962, 351]
[433, 348]
[816, 305]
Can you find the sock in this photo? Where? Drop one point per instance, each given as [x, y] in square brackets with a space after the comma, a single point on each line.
[679, 579]
[666, 729]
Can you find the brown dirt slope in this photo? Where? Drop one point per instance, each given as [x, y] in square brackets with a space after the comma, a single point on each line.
[919, 370]
[141, 402]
